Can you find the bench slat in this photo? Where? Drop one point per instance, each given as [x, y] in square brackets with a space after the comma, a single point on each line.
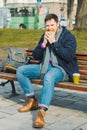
[8, 76]
[82, 62]
[83, 77]
[83, 67]
[84, 72]
[82, 58]
[79, 87]
[67, 85]
[83, 81]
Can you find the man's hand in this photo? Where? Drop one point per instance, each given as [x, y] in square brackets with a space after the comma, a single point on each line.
[45, 40]
[50, 36]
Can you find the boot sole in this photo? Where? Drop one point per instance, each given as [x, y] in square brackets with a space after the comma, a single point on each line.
[35, 108]
[37, 126]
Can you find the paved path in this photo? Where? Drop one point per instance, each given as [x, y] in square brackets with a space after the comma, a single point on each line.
[68, 110]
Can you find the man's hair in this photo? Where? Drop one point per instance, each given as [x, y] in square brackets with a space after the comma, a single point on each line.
[51, 16]
[22, 25]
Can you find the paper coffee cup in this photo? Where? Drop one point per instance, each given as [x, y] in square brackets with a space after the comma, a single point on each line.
[76, 78]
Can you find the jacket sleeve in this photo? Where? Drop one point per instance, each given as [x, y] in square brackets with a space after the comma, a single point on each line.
[38, 51]
[65, 48]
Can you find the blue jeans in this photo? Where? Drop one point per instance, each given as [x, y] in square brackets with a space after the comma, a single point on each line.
[53, 76]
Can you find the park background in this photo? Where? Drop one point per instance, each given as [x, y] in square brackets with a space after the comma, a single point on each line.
[29, 38]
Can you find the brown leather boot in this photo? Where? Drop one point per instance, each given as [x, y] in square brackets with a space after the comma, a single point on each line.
[39, 122]
[31, 105]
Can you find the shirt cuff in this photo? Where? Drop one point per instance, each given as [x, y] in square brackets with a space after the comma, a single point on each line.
[43, 46]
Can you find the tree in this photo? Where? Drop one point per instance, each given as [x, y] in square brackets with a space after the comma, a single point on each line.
[70, 6]
[81, 15]
[5, 2]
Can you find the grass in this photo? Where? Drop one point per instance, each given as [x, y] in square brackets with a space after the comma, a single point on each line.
[19, 38]
[81, 38]
[29, 39]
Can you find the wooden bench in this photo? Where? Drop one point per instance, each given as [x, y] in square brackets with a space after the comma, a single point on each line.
[82, 86]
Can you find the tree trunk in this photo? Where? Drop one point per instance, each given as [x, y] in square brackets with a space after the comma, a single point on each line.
[70, 6]
[81, 15]
[5, 2]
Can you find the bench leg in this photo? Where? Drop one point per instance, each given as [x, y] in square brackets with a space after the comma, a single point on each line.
[13, 87]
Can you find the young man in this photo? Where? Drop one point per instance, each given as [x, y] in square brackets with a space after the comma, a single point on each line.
[56, 53]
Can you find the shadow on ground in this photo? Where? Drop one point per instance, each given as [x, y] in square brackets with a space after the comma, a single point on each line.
[64, 98]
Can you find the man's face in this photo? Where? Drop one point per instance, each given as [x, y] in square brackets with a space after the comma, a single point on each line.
[52, 25]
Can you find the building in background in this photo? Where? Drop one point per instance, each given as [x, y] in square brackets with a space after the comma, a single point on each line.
[58, 7]
[1, 3]
[22, 12]
[5, 15]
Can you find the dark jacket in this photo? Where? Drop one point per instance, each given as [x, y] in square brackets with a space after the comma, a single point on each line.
[64, 49]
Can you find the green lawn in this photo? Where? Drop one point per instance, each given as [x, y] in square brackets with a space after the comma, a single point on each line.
[29, 38]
